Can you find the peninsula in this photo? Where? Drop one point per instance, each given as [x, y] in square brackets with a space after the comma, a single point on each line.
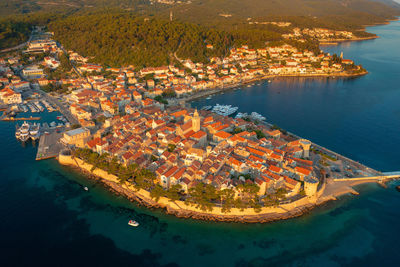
[132, 129]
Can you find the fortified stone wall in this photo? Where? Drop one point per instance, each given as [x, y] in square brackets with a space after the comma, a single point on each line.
[305, 202]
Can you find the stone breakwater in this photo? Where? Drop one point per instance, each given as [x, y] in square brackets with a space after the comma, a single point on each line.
[182, 210]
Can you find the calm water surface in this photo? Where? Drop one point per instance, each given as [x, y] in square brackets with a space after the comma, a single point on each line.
[47, 219]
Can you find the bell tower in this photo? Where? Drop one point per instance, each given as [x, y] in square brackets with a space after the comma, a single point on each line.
[196, 121]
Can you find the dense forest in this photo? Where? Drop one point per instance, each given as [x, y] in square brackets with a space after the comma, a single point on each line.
[12, 33]
[349, 14]
[121, 39]
[115, 37]
[15, 29]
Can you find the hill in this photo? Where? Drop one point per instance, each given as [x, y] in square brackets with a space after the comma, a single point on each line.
[339, 14]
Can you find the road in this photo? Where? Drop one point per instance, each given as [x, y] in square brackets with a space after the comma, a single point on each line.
[54, 101]
[20, 46]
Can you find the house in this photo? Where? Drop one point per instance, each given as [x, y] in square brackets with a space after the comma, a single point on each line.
[9, 96]
[77, 137]
[221, 136]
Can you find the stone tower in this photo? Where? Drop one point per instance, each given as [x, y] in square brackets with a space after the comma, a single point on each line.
[196, 121]
[306, 147]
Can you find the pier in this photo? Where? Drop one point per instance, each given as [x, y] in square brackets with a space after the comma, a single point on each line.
[384, 176]
[20, 119]
[49, 146]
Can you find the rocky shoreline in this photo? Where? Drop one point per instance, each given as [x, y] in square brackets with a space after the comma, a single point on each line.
[133, 196]
[185, 214]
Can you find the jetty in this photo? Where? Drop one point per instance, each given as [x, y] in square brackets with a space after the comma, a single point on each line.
[20, 119]
[49, 145]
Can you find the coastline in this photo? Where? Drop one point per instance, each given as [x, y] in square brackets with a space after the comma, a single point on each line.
[216, 90]
[334, 42]
[326, 193]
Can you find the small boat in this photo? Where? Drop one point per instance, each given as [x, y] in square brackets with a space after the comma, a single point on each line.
[206, 108]
[133, 223]
[208, 98]
[86, 188]
[17, 134]
[398, 188]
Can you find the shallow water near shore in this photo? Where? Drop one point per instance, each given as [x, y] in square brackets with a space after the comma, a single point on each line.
[48, 219]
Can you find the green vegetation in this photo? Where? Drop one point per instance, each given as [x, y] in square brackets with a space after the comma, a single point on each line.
[331, 14]
[161, 100]
[15, 30]
[13, 33]
[51, 87]
[120, 39]
[139, 177]
[202, 196]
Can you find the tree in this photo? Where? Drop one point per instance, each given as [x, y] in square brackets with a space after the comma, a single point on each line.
[157, 192]
[173, 193]
[227, 197]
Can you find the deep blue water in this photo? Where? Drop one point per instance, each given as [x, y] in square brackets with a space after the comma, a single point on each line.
[357, 117]
[47, 219]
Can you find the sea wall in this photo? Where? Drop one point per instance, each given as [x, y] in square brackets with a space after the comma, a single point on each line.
[180, 209]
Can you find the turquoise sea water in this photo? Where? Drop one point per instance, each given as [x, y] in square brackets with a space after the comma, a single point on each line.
[47, 219]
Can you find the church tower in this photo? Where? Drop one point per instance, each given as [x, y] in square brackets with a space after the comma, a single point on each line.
[196, 121]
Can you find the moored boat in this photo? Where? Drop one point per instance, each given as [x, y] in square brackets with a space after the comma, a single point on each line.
[24, 131]
[133, 223]
[34, 131]
[398, 188]
[224, 110]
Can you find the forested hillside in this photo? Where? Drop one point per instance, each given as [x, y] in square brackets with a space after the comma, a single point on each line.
[343, 14]
[120, 39]
[15, 29]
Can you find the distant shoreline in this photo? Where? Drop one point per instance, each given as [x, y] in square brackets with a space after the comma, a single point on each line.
[334, 42]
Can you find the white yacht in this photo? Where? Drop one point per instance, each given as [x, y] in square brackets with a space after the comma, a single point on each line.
[224, 110]
[24, 131]
[257, 116]
[34, 131]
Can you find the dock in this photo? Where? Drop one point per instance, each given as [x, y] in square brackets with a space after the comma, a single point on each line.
[49, 146]
[20, 119]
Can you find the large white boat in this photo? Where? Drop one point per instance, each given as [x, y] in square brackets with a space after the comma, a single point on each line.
[241, 115]
[24, 131]
[133, 223]
[34, 131]
[224, 110]
[257, 116]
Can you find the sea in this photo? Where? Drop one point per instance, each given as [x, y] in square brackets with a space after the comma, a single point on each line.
[48, 219]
